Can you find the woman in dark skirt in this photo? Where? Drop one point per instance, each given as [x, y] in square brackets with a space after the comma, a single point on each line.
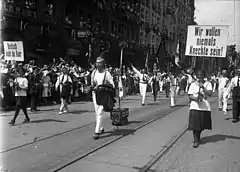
[200, 110]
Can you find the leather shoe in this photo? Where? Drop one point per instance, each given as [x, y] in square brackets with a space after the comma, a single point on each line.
[26, 121]
[235, 120]
[11, 122]
[102, 131]
[195, 144]
[96, 136]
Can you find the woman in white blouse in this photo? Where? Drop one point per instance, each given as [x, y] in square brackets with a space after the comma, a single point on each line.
[200, 110]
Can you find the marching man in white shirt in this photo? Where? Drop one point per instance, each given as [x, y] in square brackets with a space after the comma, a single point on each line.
[99, 76]
[142, 83]
[173, 87]
[222, 92]
[64, 82]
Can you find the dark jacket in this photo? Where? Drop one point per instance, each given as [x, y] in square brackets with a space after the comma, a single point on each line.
[105, 96]
[33, 84]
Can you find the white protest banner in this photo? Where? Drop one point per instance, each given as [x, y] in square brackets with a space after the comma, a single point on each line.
[13, 50]
[207, 41]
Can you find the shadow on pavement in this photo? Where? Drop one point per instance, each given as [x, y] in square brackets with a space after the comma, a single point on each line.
[217, 138]
[133, 122]
[44, 110]
[47, 120]
[155, 103]
[80, 111]
[117, 132]
[180, 105]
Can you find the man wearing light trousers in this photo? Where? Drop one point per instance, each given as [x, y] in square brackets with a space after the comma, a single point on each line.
[99, 76]
[143, 77]
[223, 82]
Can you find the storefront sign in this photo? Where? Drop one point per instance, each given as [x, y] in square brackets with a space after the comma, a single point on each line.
[207, 41]
[13, 50]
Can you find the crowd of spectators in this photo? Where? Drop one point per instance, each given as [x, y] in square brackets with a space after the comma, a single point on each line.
[42, 79]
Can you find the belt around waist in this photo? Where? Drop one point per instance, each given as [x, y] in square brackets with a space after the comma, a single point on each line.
[143, 82]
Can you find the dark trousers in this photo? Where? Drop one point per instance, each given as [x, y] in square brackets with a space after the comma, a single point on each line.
[21, 103]
[155, 92]
[236, 108]
[33, 101]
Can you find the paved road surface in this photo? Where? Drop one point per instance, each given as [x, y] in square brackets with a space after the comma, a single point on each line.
[220, 151]
[49, 153]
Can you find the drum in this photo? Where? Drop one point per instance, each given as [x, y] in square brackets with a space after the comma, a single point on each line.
[119, 116]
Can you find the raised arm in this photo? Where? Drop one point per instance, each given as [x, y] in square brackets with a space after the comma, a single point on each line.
[57, 83]
[136, 71]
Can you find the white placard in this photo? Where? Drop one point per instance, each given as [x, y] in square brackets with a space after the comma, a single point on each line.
[207, 41]
[13, 50]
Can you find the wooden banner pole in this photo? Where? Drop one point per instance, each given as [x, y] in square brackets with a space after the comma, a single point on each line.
[120, 75]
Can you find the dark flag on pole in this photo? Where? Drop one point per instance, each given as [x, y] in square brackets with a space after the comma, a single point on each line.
[162, 53]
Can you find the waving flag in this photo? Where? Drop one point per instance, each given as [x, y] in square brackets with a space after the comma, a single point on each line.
[146, 62]
[177, 54]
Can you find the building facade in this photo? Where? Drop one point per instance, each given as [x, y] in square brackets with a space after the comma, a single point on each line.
[67, 28]
[174, 15]
[74, 29]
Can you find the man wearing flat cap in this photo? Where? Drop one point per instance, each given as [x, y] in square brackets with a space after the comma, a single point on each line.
[235, 88]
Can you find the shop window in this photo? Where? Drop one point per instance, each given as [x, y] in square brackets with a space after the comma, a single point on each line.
[98, 22]
[9, 1]
[114, 27]
[147, 3]
[30, 4]
[120, 28]
[69, 12]
[90, 20]
[49, 7]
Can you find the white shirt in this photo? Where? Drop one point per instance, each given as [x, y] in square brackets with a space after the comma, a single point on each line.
[189, 78]
[62, 79]
[173, 81]
[194, 90]
[98, 78]
[233, 83]
[23, 83]
[142, 77]
[222, 82]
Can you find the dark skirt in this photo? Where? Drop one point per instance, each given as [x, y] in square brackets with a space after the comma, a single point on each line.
[199, 120]
[21, 102]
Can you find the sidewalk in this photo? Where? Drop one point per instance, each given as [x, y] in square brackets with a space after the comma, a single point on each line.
[47, 122]
[219, 152]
